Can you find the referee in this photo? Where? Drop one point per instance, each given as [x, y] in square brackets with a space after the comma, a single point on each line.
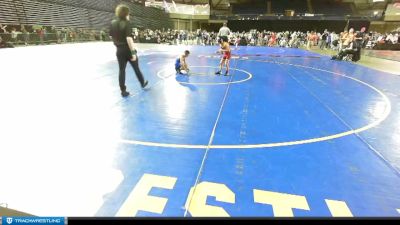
[121, 33]
[224, 31]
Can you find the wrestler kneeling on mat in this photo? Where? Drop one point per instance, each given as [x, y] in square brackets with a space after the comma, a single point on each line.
[181, 66]
[226, 51]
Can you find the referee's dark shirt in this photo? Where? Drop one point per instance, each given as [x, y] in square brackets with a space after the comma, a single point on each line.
[119, 30]
[359, 41]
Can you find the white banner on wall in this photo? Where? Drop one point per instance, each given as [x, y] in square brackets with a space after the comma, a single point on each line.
[393, 12]
[177, 8]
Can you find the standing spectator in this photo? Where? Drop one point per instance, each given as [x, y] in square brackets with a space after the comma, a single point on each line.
[59, 36]
[199, 37]
[53, 34]
[224, 31]
[272, 40]
[343, 40]
[185, 38]
[266, 38]
[64, 34]
[14, 35]
[40, 33]
[328, 41]
[176, 37]
[205, 38]
[71, 35]
[334, 40]
[259, 39]
[309, 40]
[315, 39]
[45, 34]
[237, 41]
[359, 42]
[181, 37]
[323, 42]
[25, 34]
[102, 35]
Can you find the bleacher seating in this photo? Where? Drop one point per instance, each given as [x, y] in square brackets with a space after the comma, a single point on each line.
[101, 5]
[42, 13]
[331, 7]
[249, 9]
[279, 6]
[94, 14]
[7, 12]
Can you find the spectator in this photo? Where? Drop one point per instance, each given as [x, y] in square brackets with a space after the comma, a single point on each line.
[359, 39]
[25, 35]
[14, 35]
[350, 49]
[4, 44]
[324, 38]
[309, 40]
[3, 29]
[334, 41]
[64, 34]
[102, 35]
[224, 31]
[286, 39]
[40, 33]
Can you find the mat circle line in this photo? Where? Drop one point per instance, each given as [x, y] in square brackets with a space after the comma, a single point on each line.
[249, 76]
[385, 114]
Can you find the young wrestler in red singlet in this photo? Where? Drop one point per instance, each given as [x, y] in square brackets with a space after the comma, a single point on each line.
[226, 51]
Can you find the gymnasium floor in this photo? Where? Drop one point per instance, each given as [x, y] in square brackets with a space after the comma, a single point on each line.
[289, 133]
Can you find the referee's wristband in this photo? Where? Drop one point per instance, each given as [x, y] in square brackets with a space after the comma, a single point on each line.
[134, 52]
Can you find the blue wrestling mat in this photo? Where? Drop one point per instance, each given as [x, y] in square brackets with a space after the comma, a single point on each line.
[288, 133]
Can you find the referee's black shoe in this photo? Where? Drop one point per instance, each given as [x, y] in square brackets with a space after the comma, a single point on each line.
[145, 84]
[125, 94]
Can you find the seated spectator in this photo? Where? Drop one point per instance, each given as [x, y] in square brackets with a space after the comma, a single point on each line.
[351, 49]
[3, 29]
[4, 44]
